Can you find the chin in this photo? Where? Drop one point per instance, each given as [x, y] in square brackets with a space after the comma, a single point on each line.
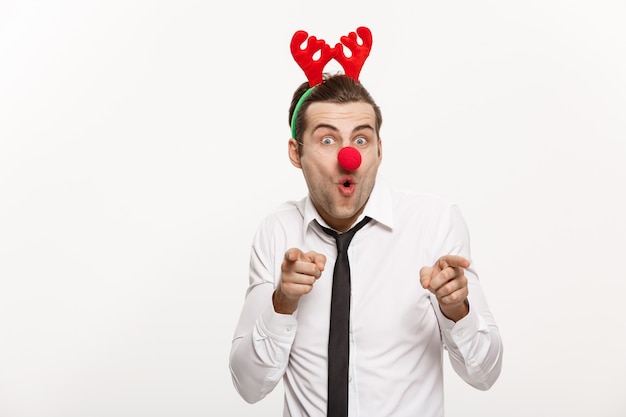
[344, 214]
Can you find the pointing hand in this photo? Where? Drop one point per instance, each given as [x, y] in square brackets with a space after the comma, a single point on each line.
[299, 272]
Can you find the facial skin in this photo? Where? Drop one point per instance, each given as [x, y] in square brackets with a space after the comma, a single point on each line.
[338, 204]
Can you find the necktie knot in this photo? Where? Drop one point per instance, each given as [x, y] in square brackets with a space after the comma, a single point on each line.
[343, 239]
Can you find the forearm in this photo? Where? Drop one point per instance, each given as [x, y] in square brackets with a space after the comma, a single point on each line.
[475, 349]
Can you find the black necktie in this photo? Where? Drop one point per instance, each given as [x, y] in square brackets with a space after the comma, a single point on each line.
[338, 340]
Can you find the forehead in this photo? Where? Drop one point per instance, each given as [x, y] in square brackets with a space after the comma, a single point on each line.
[340, 115]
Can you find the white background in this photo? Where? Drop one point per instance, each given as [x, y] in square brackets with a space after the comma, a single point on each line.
[141, 142]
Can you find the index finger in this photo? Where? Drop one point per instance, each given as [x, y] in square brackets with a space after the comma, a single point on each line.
[293, 254]
[452, 261]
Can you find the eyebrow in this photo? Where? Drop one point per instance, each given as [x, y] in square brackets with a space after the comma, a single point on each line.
[365, 126]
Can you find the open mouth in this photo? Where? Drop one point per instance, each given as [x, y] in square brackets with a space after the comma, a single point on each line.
[347, 186]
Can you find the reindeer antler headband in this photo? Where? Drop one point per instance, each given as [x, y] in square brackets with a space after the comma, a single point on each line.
[314, 69]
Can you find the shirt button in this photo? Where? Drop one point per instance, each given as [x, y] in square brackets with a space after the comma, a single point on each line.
[289, 328]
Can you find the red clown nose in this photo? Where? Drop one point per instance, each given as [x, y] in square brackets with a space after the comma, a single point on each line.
[349, 158]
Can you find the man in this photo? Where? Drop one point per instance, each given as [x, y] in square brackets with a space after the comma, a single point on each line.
[413, 292]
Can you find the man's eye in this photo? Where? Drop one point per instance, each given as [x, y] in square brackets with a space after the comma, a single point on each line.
[327, 141]
[360, 141]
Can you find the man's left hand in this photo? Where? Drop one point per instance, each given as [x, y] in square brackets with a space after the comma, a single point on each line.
[446, 279]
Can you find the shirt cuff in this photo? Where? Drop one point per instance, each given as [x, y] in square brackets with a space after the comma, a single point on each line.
[464, 330]
[281, 327]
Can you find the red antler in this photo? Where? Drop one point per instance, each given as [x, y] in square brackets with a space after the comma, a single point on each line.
[352, 66]
[312, 68]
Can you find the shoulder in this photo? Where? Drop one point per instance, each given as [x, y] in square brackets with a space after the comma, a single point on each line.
[430, 213]
[420, 200]
[284, 216]
[397, 206]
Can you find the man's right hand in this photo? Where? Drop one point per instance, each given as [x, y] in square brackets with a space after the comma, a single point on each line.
[299, 272]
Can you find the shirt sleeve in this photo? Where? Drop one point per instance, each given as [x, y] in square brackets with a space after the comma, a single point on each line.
[474, 347]
[473, 343]
[263, 338]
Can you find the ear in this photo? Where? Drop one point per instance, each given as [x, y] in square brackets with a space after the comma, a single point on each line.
[294, 156]
[380, 150]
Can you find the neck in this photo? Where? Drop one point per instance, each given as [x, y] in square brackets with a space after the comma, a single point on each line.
[339, 224]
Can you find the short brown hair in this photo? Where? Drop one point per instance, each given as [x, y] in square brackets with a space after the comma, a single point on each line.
[337, 88]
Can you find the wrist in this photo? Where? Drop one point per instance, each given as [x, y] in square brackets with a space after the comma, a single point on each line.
[282, 304]
[456, 313]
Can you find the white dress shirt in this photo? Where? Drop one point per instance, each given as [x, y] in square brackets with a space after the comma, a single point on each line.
[397, 331]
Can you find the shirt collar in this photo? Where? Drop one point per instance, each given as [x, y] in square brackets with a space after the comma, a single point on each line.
[379, 207]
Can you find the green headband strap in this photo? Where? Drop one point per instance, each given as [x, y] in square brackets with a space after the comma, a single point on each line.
[297, 108]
